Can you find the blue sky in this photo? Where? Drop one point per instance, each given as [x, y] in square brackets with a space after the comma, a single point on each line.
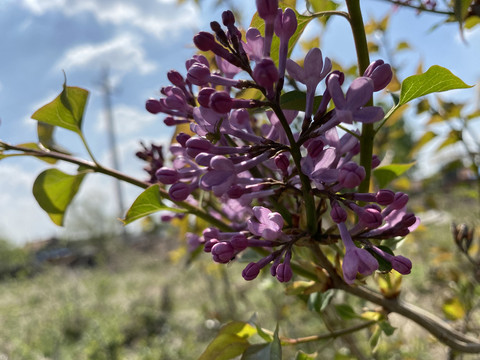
[139, 41]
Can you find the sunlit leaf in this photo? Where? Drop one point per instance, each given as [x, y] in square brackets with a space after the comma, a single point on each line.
[257, 352]
[66, 110]
[45, 137]
[231, 341]
[403, 45]
[147, 203]
[471, 22]
[54, 190]
[453, 309]
[435, 79]
[385, 174]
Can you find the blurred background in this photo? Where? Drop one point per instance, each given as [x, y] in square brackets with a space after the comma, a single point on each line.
[83, 292]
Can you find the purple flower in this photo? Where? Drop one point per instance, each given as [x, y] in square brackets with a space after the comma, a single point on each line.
[380, 73]
[356, 260]
[351, 175]
[220, 177]
[285, 26]
[314, 70]
[222, 252]
[266, 75]
[265, 223]
[283, 271]
[254, 45]
[400, 263]
[349, 107]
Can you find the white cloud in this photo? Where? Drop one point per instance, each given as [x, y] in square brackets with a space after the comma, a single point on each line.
[130, 120]
[161, 18]
[121, 55]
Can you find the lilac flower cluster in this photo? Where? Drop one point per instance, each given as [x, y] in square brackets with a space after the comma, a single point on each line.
[244, 163]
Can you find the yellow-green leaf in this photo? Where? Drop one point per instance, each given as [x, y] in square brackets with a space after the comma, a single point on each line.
[147, 203]
[66, 110]
[231, 341]
[435, 79]
[54, 190]
[385, 174]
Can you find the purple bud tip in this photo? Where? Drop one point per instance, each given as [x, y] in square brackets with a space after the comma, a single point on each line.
[400, 200]
[179, 191]
[204, 41]
[384, 197]
[239, 242]
[221, 102]
[222, 252]
[282, 163]
[153, 106]
[375, 161]
[338, 214]
[402, 264]
[175, 78]
[196, 146]
[266, 73]
[203, 97]
[182, 138]
[235, 191]
[210, 233]
[209, 245]
[167, 176]
[351, 175]
[198, 74]
[285, 23]
[267, 9]
[251, 271]
[283, 272]
[380, 73]
[228, 18]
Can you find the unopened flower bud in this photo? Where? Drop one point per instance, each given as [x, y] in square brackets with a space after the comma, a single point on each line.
[153, 106]
[282, 163]
[239, 242]
[221, 102]
[222, 252]
[385, 197]
[182, 138]
[380, 73]
[338, 214]
[167, 176]
[198, 74]
[175, 78]
[402, 264]
[267, 9]
[209, 245]
[251, 271]
[203, 97]
[204, 41]
[351, 175]
[179, 191]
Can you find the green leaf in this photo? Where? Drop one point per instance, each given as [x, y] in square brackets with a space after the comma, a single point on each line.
[302, 22]
[276, 346]
[46, 139]
[325, 298]
[231, 341]
[385, 174]
[147, 203]
[297, 100]
[323, 5]
[346, 312]
[303, 356]
[66, 110]
[373, 341]
[387, 328]
[435, 79]
[460, 9]
[54, 190]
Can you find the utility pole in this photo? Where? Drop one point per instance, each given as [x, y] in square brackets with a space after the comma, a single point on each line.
[107, 90]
